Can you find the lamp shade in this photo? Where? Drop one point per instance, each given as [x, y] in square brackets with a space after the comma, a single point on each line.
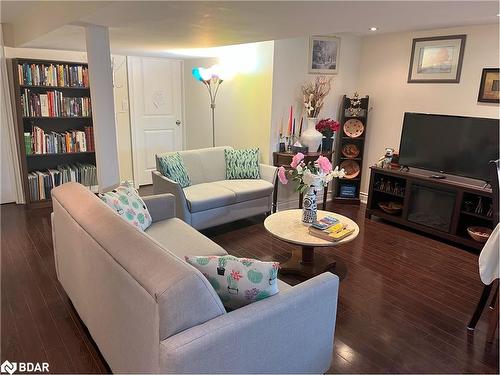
[196, 74]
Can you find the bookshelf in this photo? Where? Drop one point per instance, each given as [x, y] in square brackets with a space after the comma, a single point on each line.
[346, 190]
[54, 126]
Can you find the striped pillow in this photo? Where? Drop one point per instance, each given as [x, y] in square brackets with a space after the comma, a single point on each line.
[242, 164]
[172, 166]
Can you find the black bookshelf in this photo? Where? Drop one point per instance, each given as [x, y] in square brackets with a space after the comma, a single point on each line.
[351, 185]
[41, 162]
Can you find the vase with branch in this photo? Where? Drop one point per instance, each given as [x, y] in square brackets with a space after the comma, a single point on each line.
[314, 94]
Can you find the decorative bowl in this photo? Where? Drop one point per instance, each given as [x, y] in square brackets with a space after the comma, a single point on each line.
[479, 234]
[353, 128]
[351, 168]
[350, 151]
[391, 207]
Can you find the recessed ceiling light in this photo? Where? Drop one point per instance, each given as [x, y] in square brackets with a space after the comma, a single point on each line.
[373, 28]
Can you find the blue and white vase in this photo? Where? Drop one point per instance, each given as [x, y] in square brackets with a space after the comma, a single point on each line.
[309, 207]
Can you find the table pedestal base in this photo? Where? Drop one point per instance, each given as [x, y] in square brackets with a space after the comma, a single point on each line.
[304, 262]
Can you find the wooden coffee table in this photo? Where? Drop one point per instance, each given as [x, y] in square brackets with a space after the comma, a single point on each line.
[288, 227]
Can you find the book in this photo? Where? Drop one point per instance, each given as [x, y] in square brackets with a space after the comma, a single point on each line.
[336, 233]
[28, 143]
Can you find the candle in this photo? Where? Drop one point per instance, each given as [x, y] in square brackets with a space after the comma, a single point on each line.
[290, 122]
[293, 127]
[300, 127]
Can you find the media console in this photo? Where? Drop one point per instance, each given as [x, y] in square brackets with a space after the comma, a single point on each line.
[441, 207]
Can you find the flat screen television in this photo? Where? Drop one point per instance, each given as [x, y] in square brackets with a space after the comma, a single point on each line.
[455, 145]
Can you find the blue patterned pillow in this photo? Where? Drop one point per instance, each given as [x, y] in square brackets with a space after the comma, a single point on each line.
[172, 166]
[242, 164]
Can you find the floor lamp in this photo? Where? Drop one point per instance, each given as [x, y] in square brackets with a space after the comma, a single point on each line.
[212, 81]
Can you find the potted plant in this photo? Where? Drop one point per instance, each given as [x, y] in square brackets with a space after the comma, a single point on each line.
[327, 127]
[309, 178]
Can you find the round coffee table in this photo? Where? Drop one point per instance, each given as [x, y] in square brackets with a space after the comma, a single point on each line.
[288, 227]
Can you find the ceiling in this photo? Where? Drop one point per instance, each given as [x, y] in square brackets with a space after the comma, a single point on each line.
[154, 27]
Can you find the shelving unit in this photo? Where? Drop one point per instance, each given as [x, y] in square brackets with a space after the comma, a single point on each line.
[443, 208]
[352, 185]
[59, 124]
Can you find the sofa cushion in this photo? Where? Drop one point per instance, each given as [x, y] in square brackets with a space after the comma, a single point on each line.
[242, 164]
[126, 202]
[172, 166]
[181, 239]
[206, 196]
[247, 190]
[238, 281]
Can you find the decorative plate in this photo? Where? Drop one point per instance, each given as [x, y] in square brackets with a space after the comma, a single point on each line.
[353, 128]
[351, 168]
[350, 151]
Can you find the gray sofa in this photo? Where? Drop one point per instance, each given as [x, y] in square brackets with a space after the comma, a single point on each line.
[211, 199]
[151, 312]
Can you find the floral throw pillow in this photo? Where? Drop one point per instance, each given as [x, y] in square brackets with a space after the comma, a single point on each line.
[172, 166]
[127, 203]
[238, 281]
[242, 164]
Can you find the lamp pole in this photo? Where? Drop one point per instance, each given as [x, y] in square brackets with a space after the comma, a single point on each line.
[213, 85]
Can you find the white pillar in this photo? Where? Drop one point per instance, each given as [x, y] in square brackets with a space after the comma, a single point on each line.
[103, 115]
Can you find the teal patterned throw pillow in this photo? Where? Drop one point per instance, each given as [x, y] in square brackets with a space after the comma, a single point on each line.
[242, 164]
[172, 166]
[238, 281]
[127, 203]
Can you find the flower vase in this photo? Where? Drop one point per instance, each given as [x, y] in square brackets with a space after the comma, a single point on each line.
[311, 137]
[309, 207]
[327, 143]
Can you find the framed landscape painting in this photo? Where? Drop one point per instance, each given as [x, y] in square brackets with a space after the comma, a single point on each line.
[436, 59]
[489, 89]
[323, 54]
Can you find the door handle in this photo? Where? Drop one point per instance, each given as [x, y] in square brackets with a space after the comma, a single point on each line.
[178, 123]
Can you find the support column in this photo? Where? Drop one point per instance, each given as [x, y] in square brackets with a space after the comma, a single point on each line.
[103, 115]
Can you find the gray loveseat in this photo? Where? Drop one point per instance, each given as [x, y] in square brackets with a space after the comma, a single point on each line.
[211, 199]
[150, 312]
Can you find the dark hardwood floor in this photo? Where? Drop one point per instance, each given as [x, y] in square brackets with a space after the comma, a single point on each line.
[403, 305]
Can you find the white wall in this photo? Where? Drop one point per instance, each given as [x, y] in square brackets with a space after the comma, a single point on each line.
[290, 72]
[120, 94]
[243, 112]
[383, 74]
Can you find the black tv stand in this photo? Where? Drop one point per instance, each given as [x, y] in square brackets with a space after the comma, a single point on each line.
[440, 207]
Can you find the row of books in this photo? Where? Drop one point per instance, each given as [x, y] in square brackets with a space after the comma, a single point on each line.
[54, 104]
[40, 142]
[61, 75]
[42, 182]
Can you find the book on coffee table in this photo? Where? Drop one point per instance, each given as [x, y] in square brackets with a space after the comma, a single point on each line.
[333, 234]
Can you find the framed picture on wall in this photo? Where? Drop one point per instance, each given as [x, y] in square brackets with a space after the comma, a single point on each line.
[323, 54]
[489, 89]
[436, 59]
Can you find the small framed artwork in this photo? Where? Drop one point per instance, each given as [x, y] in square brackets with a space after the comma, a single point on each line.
[323, 54]
[436, 59]
[489, 89]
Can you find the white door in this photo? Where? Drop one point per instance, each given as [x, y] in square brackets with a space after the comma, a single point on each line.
[155, 111]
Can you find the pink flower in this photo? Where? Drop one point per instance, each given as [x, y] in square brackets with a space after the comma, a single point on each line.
[297, 159]
[282, 175]
[324, 164]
